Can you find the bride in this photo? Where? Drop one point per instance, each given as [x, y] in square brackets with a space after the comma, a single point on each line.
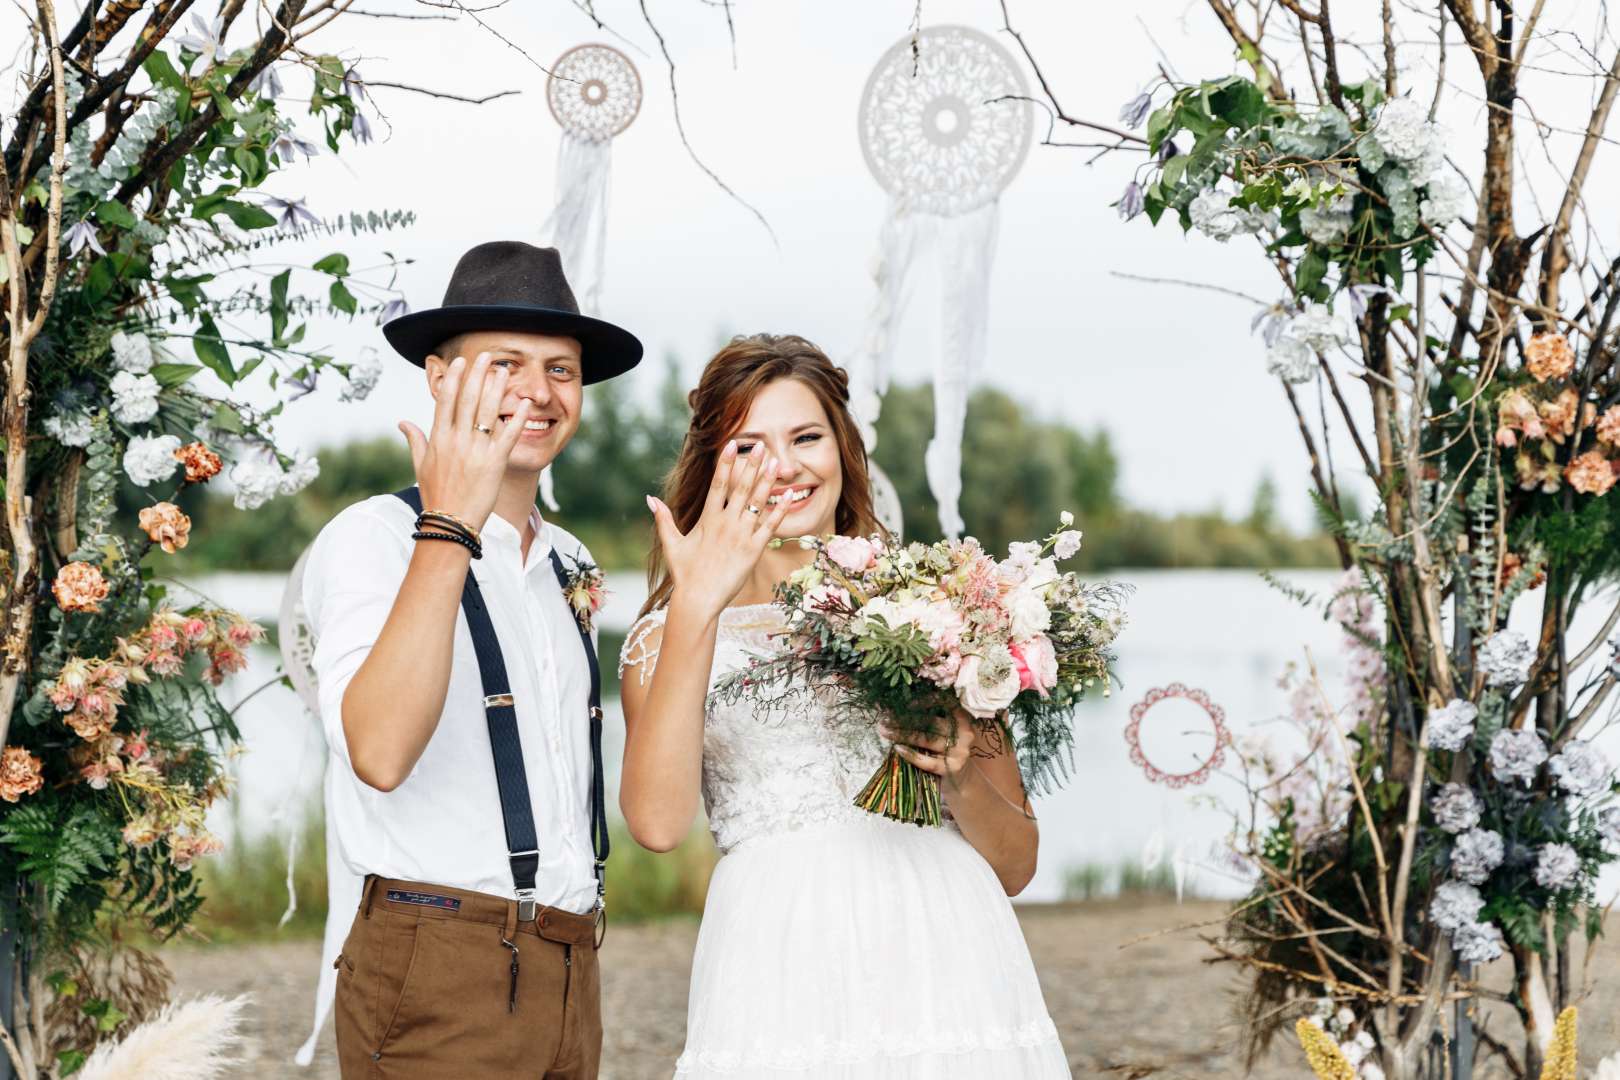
[835, 943]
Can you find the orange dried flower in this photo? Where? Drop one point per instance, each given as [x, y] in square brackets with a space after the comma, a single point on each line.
[1608, 426]
[167, 525]
[19, 774]
[1590, 474]
[79, 586]
[1558, 415]
[201, 463]
[1549, 356]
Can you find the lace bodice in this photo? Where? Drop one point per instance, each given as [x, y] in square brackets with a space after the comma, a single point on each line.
[766, 772]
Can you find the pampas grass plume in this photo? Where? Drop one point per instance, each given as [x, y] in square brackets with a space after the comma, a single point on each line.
[196, 1040]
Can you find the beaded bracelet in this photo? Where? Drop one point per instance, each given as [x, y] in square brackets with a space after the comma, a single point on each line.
[455, 524]
[466, 542]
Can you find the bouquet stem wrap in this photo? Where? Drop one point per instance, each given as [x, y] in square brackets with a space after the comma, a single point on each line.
[900, 791]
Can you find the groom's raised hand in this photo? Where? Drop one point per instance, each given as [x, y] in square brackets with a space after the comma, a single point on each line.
[460, 467]
[712, 560]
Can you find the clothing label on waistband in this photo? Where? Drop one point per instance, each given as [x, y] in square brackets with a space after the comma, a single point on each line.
[423, 899]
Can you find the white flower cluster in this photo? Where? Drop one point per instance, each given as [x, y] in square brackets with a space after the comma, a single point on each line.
[1517, 754]
[1296, 341]
[1213, 214]
[1452, 725]
[150, 458]
[1330, 224]
[1455, 905]
[1557, 866]
[1406, 135]
[69, 429]
[1608, 823]
[1477, 943]
[135, 397]
[1445, 200]
[1456, 808]
[133, 352]
[1475, 854]
[1455, 909]
[1406, 150]
[1581, 769]
[259, 480]
[363, 377]
[1505, 658]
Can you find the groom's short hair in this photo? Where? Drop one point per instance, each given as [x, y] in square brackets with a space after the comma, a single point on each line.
[450, 347]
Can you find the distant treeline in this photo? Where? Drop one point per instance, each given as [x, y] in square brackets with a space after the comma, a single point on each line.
[1018, 472]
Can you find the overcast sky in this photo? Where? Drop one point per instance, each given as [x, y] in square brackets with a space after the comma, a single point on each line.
[1173, 374]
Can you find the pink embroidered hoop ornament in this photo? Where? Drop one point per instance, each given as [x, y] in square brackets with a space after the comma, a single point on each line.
[1217, 717]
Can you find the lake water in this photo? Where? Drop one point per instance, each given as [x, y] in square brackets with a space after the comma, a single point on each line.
[1225, 632]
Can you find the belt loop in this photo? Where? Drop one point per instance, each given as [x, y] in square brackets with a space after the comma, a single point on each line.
[509, 932]
[366, 897]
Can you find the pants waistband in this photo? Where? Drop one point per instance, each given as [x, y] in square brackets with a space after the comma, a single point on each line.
[462, 905]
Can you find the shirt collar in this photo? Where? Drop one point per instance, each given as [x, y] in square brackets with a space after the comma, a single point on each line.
[503, 540]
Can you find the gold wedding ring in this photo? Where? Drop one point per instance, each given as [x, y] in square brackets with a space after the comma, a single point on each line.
[483, 429]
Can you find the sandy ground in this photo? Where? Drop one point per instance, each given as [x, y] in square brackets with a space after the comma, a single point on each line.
[1150, 1007]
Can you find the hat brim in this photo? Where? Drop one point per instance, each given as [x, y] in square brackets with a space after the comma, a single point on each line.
[605, 350]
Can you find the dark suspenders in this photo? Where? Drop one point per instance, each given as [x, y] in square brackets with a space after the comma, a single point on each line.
[511, 779]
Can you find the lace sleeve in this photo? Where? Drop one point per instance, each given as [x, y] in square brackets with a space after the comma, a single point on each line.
[641, 645]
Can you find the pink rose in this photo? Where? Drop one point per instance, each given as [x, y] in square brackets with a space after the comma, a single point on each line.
[1036, 660]
[195, 629]
[852, 553]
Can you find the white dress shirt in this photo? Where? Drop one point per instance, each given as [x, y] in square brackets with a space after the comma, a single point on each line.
[443, 824]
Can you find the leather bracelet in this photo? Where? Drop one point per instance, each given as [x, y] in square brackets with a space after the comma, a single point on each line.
[455, 524]
[466, 542]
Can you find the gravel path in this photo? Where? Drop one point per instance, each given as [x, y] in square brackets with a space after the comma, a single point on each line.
[1152, 1008]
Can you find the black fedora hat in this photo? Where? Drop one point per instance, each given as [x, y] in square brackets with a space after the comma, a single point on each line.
[510, 285]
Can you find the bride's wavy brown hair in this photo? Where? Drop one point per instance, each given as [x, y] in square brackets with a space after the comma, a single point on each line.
[720, 404]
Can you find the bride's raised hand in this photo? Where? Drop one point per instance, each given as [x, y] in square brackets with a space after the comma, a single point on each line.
[710, 563]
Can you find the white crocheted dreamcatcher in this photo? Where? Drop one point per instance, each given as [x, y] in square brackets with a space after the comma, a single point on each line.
[944, 130]
[594, 93]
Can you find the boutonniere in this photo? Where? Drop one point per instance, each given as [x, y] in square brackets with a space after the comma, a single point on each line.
[585, 589]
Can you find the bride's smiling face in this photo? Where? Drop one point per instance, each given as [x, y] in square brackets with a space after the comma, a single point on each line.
[786, 420]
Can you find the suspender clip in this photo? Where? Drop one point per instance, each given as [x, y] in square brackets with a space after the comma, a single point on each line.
[596, 712]
[526, 905]
[495, 701]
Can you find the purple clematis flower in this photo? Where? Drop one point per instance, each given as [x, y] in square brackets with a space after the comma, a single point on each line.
[294, 214]
[361, 128]
[82, 235]
[305, 385]
[1167, 150]
[267, 84]
[354, 85]
[289, 145]
[1360, 294]
[394, 309]
[1134, 111]
[1131, 202]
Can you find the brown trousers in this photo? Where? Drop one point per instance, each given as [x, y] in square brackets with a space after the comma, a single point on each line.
[439, 983]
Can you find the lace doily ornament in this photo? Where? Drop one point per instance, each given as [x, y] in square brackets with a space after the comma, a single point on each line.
[931, 130]
[297, 638]
[594, 91]
[1217, 718]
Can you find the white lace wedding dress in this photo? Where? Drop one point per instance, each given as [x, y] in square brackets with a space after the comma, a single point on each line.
[835, 944]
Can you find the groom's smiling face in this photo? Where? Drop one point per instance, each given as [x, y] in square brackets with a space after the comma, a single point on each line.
[786, 420]
[544, 369]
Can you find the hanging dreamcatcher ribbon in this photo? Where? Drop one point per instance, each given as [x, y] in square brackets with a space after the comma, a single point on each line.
[594, 93]
[944, 130]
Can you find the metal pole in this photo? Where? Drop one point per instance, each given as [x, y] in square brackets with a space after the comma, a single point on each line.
[1462, 1046]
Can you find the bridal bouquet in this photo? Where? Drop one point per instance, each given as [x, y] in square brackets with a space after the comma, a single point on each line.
[913, 632]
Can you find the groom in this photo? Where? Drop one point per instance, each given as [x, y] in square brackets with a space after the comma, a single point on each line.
[460, 698]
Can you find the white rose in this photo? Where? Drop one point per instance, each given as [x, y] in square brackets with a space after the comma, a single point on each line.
[150, 458]
[135, 397]
[1029, 613]
[132, 352]
[987, 684]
